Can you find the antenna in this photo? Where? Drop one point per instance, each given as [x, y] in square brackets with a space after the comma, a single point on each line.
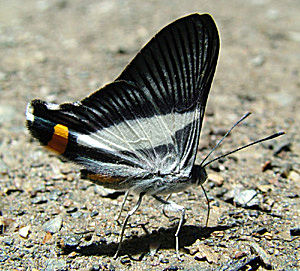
[246, 146]
[228, 132]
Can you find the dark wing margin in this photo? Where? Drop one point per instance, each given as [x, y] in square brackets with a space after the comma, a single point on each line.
[178, 64]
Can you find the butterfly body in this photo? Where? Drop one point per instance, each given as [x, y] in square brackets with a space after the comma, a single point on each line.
[140, 133]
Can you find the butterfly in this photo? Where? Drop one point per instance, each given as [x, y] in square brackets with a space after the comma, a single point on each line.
[140, 133]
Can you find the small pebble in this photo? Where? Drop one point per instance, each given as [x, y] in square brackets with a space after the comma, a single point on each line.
[216, 179]
[246, 198]
[76, 214]
[103, 192]
[71, 241]
[94, 213]
[53, 225]
[47, 237]
[24, 231]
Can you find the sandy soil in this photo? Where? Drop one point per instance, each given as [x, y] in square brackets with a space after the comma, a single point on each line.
[61, 50]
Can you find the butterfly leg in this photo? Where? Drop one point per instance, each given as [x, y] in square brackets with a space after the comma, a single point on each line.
[129, 214]
[164, 211]
[122, 206]
[208, 206]
[172, 206]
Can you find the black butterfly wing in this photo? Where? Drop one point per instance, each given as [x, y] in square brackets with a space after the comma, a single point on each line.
[176, 69]
[146, 122]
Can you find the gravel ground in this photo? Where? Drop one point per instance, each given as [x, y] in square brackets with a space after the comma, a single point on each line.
[61, 50]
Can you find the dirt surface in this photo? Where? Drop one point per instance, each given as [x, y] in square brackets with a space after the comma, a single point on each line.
[63, 50]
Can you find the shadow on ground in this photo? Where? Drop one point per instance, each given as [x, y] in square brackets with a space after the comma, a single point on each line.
[165, 238]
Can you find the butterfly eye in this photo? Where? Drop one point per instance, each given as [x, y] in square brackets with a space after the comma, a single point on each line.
[199, 175]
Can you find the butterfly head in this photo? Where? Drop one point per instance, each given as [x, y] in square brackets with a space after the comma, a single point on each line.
[199, 175]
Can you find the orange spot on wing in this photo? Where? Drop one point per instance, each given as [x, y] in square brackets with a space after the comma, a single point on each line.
[103, 178]
[59, 140]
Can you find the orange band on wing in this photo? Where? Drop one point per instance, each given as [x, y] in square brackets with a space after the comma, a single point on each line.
[102, 178]
[59, 140]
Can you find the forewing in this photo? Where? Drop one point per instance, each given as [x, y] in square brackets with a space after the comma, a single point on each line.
[176, 69]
